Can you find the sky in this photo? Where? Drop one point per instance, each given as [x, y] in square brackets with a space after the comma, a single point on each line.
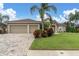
[18, 11]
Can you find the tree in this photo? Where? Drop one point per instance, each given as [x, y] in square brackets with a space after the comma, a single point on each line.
[46, 24]
[74, 17]
[42, 10]
[50, 18]
[3, 21]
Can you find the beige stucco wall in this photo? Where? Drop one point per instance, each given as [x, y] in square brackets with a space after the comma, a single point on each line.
[32, 28]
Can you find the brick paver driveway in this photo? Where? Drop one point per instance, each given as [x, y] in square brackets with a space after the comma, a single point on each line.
[15, 44]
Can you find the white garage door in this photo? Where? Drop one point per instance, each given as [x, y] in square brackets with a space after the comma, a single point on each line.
[18, 29]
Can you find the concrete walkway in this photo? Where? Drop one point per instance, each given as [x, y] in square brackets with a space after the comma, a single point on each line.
[15, 44]
[53, 53]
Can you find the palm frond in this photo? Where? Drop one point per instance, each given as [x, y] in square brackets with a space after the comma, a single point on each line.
[52, 7]
[50, 18]
[44, 5]
[33, 8]
[6, 16]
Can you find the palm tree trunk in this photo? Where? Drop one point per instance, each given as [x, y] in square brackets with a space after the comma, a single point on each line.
[42, 24]
[51, 24]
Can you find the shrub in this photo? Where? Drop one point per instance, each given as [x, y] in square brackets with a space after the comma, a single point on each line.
[77, 30]
[0, 31]
[71, 29]
[46, 25]
[37, 33]
[44, 33]
[50, 32]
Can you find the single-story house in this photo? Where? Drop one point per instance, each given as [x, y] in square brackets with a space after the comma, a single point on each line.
[58, 27]
[61, 27]
[55, 26]
[23, 26]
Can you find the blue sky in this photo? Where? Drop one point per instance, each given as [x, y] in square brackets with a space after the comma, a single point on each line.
[23, 9]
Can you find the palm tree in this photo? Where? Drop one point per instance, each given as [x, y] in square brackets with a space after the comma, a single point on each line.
[42, 10]
[3, 21]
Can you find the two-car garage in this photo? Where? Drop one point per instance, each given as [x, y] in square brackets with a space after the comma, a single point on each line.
[23, 26]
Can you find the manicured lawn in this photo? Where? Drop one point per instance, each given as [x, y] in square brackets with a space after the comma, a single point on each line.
[57, 41]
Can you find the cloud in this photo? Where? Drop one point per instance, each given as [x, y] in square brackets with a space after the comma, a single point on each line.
[57, 19]
[62, 18]
[39, 19]
[67, 12]
[10, 12]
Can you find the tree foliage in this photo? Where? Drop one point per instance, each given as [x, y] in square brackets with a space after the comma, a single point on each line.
[44, 7]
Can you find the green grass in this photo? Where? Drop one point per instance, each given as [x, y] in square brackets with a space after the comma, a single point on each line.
[57, 41]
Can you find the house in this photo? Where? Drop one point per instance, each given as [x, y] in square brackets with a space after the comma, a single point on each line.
[61, 27]
[58, 27]
[23, 26]
[55, 26]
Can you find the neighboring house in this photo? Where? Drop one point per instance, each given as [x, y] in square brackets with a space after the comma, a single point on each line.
[55, 26]
[23, 26]
[61, 27]
[58, 27]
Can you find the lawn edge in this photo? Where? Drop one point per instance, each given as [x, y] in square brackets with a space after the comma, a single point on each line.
[55, 49]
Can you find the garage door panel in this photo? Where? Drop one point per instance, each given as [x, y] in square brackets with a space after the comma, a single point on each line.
[18, 29]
